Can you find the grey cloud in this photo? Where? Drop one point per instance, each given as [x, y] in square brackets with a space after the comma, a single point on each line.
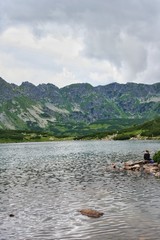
[137, 17]
[119, 31]
[133, 16]
[89, 12]
[31, 59]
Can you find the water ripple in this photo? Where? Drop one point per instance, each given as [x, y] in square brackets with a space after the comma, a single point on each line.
[45, 184]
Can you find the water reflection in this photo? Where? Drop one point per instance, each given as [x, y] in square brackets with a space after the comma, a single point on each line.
[44, 184]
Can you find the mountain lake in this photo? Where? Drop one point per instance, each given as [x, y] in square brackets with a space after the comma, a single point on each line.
[43, 185]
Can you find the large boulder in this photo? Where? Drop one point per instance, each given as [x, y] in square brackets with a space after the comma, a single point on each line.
[157, 174]
[151, 168]
[143, 166]
[135, 166]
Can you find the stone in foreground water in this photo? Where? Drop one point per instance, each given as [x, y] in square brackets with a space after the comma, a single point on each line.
[91, 213]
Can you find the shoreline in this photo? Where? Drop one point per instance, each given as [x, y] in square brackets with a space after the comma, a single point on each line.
[71, 139]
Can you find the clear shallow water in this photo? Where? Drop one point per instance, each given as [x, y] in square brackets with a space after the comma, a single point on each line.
[44, 184]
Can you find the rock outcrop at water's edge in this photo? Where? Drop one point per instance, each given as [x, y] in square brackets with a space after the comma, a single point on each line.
[150, 168]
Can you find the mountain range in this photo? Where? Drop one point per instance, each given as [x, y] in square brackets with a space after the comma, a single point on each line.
[41, 107]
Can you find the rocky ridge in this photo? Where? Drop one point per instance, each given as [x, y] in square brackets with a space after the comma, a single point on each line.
[28, 106]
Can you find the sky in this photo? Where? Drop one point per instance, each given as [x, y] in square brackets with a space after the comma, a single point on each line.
[80, 41]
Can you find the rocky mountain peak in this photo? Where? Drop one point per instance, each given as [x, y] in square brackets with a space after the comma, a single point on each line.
[41, 105]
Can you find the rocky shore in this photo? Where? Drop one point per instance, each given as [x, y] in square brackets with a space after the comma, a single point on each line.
[153, 168]
[138, 166]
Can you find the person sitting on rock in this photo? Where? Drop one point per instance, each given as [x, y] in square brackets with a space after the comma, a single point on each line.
[147, 157]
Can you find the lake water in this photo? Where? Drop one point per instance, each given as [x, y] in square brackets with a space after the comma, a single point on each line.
[45, 184]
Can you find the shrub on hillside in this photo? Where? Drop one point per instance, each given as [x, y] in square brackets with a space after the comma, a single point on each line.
[151, 133]
[156, 157]
[124, 136]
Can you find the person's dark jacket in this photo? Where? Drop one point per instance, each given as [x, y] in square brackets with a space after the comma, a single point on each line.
[147, 156]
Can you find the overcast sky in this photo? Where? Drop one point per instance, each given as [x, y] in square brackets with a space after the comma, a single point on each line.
[74, 41]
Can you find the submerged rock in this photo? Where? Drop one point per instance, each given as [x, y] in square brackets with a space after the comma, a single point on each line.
[91, 213]
[11, 215]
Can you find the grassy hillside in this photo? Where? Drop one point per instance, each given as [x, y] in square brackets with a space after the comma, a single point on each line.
[117, 129]
[150, 129]
[7, 136]
[82, 130]
[43, 107]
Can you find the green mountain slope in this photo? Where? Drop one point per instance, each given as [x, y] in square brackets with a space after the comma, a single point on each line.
[149, 129]
[46, 107]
